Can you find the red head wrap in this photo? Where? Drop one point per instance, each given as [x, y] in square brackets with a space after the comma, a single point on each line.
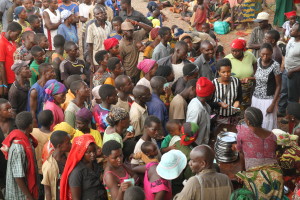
[239, 44]
[204, 87]
[154, 33]
[110, 43]
[290, 14]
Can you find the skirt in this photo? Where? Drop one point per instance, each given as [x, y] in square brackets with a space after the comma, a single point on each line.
[270, 119]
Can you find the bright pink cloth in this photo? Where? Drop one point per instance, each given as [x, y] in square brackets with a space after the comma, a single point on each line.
[146, 65]
[161, 184]
[58, 114]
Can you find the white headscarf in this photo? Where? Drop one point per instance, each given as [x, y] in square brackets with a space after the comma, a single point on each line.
[65, 14]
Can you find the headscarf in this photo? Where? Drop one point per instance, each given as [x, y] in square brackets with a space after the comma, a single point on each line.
[110, 43]
[54, 89]
[242, 194]
[17, 11]
[189, 133]
[178, 32]
[146, 65]
[152, 6]
[239, 44]
[84, 115]
[204, 87]
[65, 14]
[154, 32]
[79, 147]
[116, 114]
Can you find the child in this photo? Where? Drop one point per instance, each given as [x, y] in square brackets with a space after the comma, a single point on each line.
[174, 129]
[38, 4]
[45, 5]
[206, 29]
[124, 86]
[35, 24]
[23, 52]
[149, 153]
[72, 65]
[116, 25]
[39, 57]
[115, 67]
[287, 26]
[51, 172]
[58, 55]
[101, 73]
[42, 41]
[200, 15]
[154, 18]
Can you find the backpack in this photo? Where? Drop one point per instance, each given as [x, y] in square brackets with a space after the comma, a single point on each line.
[221, 27]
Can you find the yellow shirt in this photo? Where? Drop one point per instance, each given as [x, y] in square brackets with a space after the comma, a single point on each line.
[110, 81]
[69, 96]
[94, 133]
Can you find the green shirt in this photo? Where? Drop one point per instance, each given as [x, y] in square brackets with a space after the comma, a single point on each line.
[165, 143]
[34, 67]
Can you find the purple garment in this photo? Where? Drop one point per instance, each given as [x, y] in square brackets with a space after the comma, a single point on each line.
[100, 114]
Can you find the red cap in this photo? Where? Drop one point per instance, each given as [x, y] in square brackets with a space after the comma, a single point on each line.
[204, 87]
[290, 14]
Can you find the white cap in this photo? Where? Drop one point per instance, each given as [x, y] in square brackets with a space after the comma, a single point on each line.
[262, 17]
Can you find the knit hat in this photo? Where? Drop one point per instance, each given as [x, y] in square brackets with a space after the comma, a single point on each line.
[204, 87]
[127, 26]
[84, 115]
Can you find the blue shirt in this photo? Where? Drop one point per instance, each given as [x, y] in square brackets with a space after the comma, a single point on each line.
[70, 34]
[73, 8]
[110, 4]
[157, 108]
[40, 98]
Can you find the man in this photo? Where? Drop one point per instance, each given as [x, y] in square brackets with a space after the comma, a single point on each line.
[258, 33]
[23, 52]
[129, 13]
[18, 148]
[7, 50]
[292, 60]
[138, 112]
[206, 61]
[156, 106]
[19, 90]
[163, 49]
[199, 111]
[178, 105]
[124, 86]
[207, 183]
[129, 51]
[4, 6]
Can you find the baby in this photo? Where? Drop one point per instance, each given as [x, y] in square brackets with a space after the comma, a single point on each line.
[149, 153]
[174, 129]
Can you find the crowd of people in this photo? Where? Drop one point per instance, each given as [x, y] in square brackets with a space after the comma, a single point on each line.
[98, 101]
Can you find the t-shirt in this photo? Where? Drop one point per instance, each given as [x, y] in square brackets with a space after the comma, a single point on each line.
[100, 114]
[165, 143]
[68, 68]
[177, 68]
[84, 10]
[34, 68]
[178, 108]
[292, 56]
[69, 33]
[17, 96]
[4, 6]
[287, 28]
[73, 8]
[113, 136]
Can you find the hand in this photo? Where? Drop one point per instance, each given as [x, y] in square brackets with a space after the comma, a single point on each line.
[223, 105]
[92, 68]
[134, 23]
[233, 147]
[244, 80]
[168, 92]
[3, 90]
[172, 147]
[236, 104]
[270, 109]
[129, 135]
[124, 186]
[290, 74]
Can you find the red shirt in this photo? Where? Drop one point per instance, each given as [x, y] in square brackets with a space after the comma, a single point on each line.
[296, 1]
[7, 50]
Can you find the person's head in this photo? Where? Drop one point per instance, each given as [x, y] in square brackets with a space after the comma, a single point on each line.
[108, 94]
[207, 49]
[187, 39]
[28, 39]
[14, 29]
[34, 22]
[80, 89]
[134, 192]
[190, 89]
[224, 67]
[83, 119]
[6, 111]
[128, 149]
[148, 66]
[71, 79]
[45, 118]
[127, 29]
[38, 4]
[165, 71]
[293, 111]
[266, 52]
[38, 54]
[112, 150]
[173, 127]
[59, 41]
[95, 93]
[157, 85]
[21, 69]
[253, 117]
[41, 40]
[291, 16]
[53, 4]
[67, 16]
[46, 70]
[238, 46]
[24, 121]
[141, 93]
[18, 2]
[125, 4]
[115, 66]
[201, 157]
[124, 84]
[112, 46]
[190, 71]
[45, 4]
[295, 31]
[205, 88]
[61, 140]
[152, 6]
[118, 117]
[28, 4]
[262, 19]
[200, 2]
[88, 2]
[71, 49]
[173, 27]
[165, 33]
[102, 57]
[55, 92]
[116, 23]
[84, 147]
[152, 126]
[181, 50]
[100, 13]
[205, 28]
[272, 37]
[149, 149]
[156, 13]
[189, 133]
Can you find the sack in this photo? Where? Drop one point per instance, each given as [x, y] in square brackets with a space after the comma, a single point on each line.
[221, 27]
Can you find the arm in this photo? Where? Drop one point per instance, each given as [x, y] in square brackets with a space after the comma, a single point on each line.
[291, 71]
[116, 192]
[3, 90]
[160, 195]
[253, 42]
[76, 193]
[33, 106]
[23, 186]
[276, 95]
[49, 25]
[48, 195]
[92, 67]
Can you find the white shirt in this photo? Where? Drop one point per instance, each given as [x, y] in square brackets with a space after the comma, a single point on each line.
[177, 68]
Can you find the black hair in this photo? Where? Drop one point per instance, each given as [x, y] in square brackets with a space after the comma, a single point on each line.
[188, 69]
[181, 44]
[150, 119]
[14, 26]
[24, 120]
[99, 8]
[59, 41]
[164, 71]
[128, 148]
[112, 122]
[163, 31]
[58, 137]
[26, 34]
[145, 146]
[106, 90]
[119, 80]
[191, 83]
[38, 37]
[293, 108]
[110, 146]
[43, 67]
[126, 1]
[266, 46]
[45, 118]
[223, 62]
[112, 62]
[75, 86]
[117, 19]
[71, 79]
[254, 116]
[31, 19]
[157, 81]
[36, 49]
[134, 193]
[274, 34]
[68, 45]
[99, 56]
[3, 101]
[206, 25]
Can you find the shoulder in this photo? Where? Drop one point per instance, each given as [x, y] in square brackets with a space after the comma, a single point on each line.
[77, 170]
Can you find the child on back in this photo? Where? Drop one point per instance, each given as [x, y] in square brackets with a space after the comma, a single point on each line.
[174, 129]
[39, 56]
[148, 154]
[53, 167]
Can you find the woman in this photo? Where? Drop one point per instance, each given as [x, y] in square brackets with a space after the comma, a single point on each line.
[67, 29]
[267, 88]
[80, 179]
[117, 178]
[55, 95]
[228, 93]
[118, 120]
[20, 16]
[257, 145]
[149, 67]
[155, 38]
[243, 67]
[249, 13]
